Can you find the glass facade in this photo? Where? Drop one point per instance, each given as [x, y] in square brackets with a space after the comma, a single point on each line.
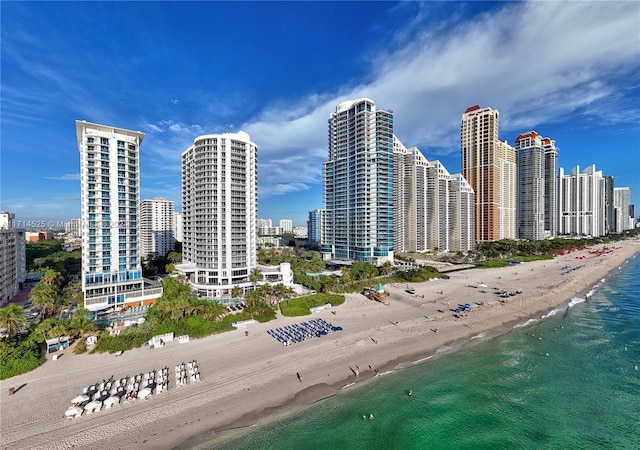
[358, 184]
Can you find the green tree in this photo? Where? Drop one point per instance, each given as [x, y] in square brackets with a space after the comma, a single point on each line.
[174, 257]
[44, 296]
[175, 288]
[52, 278]
[72, 294]
[236, 292]
[79, 324]
[61, 328]
[386, 268]
[12, 318]
[254, 276]
[211, 310]
[45, 326]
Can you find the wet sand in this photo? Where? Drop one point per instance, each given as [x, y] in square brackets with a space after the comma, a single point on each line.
[246, 379]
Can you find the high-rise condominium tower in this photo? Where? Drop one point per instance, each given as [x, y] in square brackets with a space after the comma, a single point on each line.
[314, 226]
[110, 195]
[489, 166]
[609, 209]
[431, 206]
[219, 202]
[530, 156]
[550, 187]
[581, 202]
[462, 233]
[621, 202]
[13, 262]
[358, 184]
[156, 227]
[286, 225]
[177, 227]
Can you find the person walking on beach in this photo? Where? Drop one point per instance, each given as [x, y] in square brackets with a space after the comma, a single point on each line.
[299, 377]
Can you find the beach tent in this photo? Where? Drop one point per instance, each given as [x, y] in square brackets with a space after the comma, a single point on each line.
[73, 411]
[93, 406]
[144, 393]
[113, 400]
[80, 399]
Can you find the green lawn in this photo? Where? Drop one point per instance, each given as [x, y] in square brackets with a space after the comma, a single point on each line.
[300, 306]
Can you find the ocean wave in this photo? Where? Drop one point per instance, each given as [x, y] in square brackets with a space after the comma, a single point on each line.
[420, 361]
[348, 385]
[530, 321]
[551, 313]
[479, 336]
[444, 348]
[575, 301]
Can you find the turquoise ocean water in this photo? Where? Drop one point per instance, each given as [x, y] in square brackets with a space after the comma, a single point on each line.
[569, 381]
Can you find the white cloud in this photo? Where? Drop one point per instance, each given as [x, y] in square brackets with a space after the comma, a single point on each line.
[66, 177]
[283, 188]
[535, 62]
[46, 208]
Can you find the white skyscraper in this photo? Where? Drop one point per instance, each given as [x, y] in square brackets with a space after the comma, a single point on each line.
[286, 225]
[581, 202]
[76, 228]
[621, 201]
[431, 206]
[156, 227]
[219, 201]
[358, 184]
[110, 195]
[13, 266]
[177, 226]
[462, 234]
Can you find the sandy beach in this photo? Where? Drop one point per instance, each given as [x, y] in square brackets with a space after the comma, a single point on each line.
[245, 377]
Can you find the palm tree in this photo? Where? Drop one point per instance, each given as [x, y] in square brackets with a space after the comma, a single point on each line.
[60, 329]
[52, 278]
[212, 311]
[43, 296]
[46, 325]
[12, 318]
[72, 294]
[254, 276]
[174, 257]
[79, 322]
[386, 268]
[236, 292]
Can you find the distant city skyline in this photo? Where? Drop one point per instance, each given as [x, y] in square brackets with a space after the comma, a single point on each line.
[427, 62]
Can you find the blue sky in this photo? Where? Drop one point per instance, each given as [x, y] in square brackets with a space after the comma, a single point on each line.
[568, 70]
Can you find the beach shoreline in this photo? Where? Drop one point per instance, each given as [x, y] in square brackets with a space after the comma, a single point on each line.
[250, 380]
[318, 393]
